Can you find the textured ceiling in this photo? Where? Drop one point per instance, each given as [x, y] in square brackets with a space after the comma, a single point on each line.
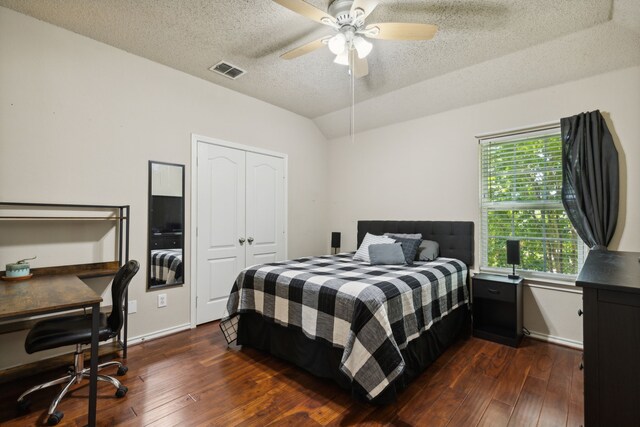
[192, 35]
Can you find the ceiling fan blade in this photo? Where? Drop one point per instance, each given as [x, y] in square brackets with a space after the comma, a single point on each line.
[401, 31]
[304, 49]
[360, 66]
[366, 5]
[305, 9]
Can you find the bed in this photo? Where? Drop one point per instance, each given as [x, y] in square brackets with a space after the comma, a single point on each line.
[166, 267]
[371, 329]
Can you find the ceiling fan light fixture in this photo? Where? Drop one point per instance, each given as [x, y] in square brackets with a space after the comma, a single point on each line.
[338, 44]
[342, 58]
[362, 46]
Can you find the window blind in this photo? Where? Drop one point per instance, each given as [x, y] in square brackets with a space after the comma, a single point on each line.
[521, 185]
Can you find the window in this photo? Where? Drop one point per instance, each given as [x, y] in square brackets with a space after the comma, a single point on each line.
[521, 183]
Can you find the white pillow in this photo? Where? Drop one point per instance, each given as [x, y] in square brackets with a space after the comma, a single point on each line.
[362, 254]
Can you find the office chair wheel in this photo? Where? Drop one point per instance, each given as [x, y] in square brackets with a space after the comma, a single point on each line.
[122, 391]
[122, 370]
[23, 405]
[55, 418]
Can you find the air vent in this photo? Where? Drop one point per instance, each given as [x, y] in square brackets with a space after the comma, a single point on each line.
[227, 70]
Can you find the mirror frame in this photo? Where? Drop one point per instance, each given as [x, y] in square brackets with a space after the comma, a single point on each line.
[150, 233]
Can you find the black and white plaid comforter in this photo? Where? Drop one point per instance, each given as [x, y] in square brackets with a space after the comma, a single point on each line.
[372, 312]
[166, 265]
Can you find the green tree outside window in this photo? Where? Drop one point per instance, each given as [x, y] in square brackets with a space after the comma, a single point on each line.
[521, 199]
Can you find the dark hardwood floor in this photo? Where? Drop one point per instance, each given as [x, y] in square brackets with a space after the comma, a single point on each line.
[192, 378]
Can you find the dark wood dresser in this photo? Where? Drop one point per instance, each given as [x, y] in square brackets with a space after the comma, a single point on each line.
[611, 293]
[166, 240]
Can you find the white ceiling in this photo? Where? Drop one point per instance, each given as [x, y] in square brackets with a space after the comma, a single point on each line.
[192, 35]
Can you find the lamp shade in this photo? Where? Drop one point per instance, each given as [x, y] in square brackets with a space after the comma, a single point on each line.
[342, 59]
[513, 252]
[338, 44]
[362, 46]
[335, 239]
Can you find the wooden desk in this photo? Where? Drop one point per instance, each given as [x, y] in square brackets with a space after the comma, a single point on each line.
[48, 294]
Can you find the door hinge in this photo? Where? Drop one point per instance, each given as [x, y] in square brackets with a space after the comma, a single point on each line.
[196, 231]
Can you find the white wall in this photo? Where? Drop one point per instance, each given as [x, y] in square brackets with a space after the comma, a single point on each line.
[427, 168]
[79, 121]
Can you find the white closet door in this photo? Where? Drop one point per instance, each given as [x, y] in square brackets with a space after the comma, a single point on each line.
[221, 227]
[265, 209]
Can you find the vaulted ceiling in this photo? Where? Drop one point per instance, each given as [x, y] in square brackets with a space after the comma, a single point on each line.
[449, 71]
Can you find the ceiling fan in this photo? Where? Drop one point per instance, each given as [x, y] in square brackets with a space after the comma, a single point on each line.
[349, 44]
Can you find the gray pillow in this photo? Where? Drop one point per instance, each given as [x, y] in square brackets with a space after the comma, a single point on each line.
[362, 254]
[405, 236]
[386, 253]
[409, 248]
[428, 250]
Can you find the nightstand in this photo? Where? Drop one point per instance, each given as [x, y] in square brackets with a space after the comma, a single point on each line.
[497, 308]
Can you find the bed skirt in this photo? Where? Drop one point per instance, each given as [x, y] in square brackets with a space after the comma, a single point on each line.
[323, 360]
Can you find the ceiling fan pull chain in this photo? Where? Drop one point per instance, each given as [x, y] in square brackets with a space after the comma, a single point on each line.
[353, 95]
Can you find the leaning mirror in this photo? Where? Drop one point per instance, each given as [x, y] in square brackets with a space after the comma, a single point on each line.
[166, 225]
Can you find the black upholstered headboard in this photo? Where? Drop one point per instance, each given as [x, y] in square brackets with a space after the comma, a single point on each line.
[455, 237]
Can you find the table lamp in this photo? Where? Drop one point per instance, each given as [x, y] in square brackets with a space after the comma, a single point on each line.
[513, 256]
[335, 241]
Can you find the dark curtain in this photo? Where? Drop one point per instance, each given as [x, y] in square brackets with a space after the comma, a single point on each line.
[590, 182]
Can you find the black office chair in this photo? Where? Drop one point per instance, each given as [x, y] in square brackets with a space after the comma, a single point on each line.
[76, 329]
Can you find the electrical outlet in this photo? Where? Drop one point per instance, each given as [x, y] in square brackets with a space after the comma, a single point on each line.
[133, 306]
[162, 300]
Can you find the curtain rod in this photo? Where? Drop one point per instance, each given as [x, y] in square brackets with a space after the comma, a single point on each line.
[518, 131]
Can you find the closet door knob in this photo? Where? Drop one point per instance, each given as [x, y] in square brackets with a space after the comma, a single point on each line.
[241, 240]
[580, 312]
[250, 240]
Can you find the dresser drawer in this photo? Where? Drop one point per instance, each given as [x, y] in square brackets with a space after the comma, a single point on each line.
[494, 290]
[166, 241]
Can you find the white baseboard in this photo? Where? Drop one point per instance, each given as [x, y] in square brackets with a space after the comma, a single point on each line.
[556, 340]
[130, 341]
[158, 334]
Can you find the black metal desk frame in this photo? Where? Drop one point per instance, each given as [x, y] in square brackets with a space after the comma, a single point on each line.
[123, 218]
